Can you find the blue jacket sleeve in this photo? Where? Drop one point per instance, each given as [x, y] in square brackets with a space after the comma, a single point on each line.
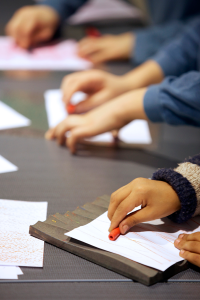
[175, 101]
[168, 18]
[170, 40]
[149, 40]
[65, 8]
[182, 54]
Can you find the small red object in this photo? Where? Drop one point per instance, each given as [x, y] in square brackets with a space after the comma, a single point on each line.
[70, 108]
[114, 234]
[93, 32]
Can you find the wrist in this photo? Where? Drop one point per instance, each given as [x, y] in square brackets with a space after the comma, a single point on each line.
[147, 74]
[129, 106]
[127, 40]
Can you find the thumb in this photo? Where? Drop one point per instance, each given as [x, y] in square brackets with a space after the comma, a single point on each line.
[141, 215]
[43, 34]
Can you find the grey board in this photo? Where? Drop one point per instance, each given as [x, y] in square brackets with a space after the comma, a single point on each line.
[49, 173]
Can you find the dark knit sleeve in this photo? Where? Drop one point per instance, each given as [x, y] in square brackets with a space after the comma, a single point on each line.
[185, 180]
[184, 190]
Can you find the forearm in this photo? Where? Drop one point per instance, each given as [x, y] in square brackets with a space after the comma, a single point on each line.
[147, 74]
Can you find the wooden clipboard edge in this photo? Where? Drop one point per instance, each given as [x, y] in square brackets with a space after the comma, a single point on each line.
[119, 264]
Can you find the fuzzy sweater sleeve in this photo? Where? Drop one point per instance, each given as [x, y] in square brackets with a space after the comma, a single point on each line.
[185, 180]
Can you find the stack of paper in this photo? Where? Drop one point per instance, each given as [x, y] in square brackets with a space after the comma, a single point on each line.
[17, 247]
[60, 56]
[9, 118]
[10, 272]
[6, 166]
[148, 243]
[136, 132]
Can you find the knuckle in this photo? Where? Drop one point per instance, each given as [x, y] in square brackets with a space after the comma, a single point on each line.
[140, 187]
[122, 209]
[113, 198]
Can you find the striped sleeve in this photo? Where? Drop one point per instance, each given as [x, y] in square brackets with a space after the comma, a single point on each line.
[185, 180]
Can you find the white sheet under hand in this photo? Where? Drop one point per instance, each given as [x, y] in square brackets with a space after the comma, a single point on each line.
[6, 166]
[10, 118]
[10, 272]
[136, 132]
[59, 56]
[150, 243]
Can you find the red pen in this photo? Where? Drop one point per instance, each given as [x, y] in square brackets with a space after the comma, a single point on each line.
[71, 108]
[92, 32]
[114, 234]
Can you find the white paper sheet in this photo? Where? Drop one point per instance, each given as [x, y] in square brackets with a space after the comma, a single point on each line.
[17, 247]
[60, 56]
[149, 243]
[6, 166]
[136, 132]
[10, 118]
[10, 272]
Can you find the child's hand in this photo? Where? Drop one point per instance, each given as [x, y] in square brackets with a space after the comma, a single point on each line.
[31, 25]
[189, 244]
[158, 200]
[107, 117]
[99, 86]
[108, 47]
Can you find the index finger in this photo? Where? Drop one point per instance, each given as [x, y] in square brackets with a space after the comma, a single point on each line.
[192, 237]
[74, 83]
[121, 211]
[116, 198]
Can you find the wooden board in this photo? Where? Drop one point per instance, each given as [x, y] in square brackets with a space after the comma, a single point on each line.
[53, 229]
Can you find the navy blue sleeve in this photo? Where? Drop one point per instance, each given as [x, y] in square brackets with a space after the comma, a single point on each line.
[175, 101]
[184, 189]
[65, 8]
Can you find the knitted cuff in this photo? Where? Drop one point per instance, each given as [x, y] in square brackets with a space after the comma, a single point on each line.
[184, 190]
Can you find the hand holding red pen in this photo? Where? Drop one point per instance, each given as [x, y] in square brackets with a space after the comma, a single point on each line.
[99, 86]
[157, 198]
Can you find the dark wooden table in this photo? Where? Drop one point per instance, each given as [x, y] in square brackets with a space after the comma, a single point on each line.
[49, 173]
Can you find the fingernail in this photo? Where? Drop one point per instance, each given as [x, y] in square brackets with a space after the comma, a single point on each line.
[177, 241]
[71, 108]
[125, 228]
[182, 252]
[181, 236]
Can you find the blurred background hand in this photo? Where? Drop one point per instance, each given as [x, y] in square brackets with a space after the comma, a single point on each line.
[107, 47]
[31, 25]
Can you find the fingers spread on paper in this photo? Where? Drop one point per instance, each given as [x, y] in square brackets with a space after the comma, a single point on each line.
[189, 246]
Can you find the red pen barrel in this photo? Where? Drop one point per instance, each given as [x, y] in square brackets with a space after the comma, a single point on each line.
[114, 234]
[70, 108]
[93, 32]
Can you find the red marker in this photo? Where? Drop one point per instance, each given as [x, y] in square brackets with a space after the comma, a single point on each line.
[114, 234]
[70, 108]
[93, 32]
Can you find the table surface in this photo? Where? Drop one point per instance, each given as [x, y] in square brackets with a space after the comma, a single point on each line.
[49, 173]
